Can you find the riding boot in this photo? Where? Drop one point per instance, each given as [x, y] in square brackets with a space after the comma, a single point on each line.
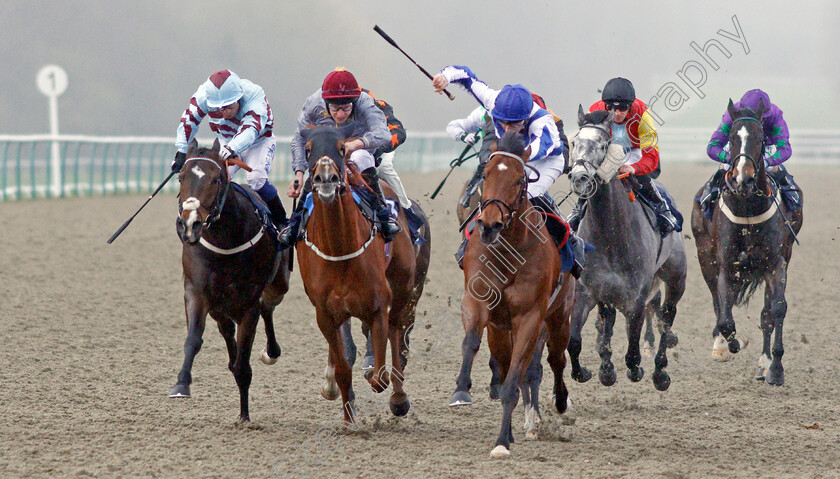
[474, 181]
[278, 213]
[665, 219]
[787, 187]
[577, 214]
[711, 190]
[388, 228]
[289, 236]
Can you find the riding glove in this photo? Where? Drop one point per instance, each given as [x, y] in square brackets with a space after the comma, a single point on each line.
[178, 162]
[226, 152]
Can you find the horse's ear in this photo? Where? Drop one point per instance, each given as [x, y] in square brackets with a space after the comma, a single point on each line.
[526, 155]
[762, 108]
[217, 146]
[347, 130]
[494, 146]
[193, 146]
[610, 117]
[731, 109]
[581, 115]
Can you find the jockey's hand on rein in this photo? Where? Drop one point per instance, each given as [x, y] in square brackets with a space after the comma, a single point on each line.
[178, 162]
[469, 138]
[226, 152]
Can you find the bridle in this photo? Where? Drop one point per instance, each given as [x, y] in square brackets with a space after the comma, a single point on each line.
[733, 160]
[215, 208]
[509, 211]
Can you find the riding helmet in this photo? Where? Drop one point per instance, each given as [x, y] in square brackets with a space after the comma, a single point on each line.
[340, 86]
[618, 91]
[514, 103]
[223, 88]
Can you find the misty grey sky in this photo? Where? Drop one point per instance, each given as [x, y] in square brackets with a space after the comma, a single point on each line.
[133, 66]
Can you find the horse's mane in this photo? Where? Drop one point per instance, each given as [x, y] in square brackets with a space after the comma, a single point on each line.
[512, 142]
[596, 117]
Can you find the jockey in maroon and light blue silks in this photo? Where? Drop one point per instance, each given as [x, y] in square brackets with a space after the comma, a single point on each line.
[777, 150]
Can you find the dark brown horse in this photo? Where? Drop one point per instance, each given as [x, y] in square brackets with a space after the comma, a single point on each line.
[231, 268]
[748, 240]
[347, 273]
[512, 275]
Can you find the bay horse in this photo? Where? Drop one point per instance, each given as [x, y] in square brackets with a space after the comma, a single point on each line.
[513, 302]
[347, 273]
[231, 267]
[748, 240]
[629, 264]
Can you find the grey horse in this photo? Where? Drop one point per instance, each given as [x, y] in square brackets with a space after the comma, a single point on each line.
[630, 263]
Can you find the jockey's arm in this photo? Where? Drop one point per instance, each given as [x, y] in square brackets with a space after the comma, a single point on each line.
[463, 76]
[376, 125]
[780, 139]
[472, 124]
[543, 137]
[192, 117]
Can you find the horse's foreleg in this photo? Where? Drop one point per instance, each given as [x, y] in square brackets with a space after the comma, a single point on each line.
[228, 330]
[196, 312]
[633, 358]
[776, 305]
[500, 345]
[674, 289]
[725, 321]
[338, 371]
[495, 378]
[652, 313]
[531, 390]
[473, 317]
[272, 351]
[350, 350]
[606, 323]
[582, 306]
[242, 366]
[378, 376]
[399, 402]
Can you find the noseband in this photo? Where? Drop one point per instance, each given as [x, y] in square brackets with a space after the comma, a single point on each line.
[331, 163]
[584, 161]
[215, 209]
[523, 190]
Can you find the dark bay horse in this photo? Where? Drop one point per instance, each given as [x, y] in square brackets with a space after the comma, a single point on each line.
[749, 240]
[231, 268]
[347, 273]
[629, 264]
[513, 285]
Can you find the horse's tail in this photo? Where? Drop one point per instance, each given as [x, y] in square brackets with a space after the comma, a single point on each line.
[745, 289]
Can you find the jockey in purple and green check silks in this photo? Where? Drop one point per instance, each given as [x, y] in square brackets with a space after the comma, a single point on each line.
[775, 130]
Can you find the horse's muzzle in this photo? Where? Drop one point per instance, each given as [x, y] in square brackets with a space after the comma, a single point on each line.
[489, 233]
[325, 183]
[581, 181]
[188, 233]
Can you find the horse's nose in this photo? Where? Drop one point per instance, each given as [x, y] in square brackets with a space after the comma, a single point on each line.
[580, 182]
[489, 232]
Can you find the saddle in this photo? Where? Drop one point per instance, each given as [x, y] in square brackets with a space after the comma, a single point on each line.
[260, 208]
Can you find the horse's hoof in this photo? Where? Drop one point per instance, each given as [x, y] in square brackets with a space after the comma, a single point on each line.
[460, 398]
[636, 374]
[738, 344]
[722, 355]
[607, 376]
[671, 339]
[661, 380]
[761, 373]
[367, 363]
[401, 409]
[531, 435]
[500, 451]
[647, 351]
[265, 358]
[495, 391]
[330, 391]
[180, 391]
[244, 419]
[775, 379]
[582, 376]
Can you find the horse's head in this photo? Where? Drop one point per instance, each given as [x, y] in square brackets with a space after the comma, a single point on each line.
[204, 186]
[324, 147]
[505, 185]
[746, 147]
[588, 149]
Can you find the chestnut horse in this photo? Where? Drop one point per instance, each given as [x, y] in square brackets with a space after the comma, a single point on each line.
[748, 240]
[513, 283]
[231, 268]
[347, 273]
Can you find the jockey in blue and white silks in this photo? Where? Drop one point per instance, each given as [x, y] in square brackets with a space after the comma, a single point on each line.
[241, 118]
[514, 107]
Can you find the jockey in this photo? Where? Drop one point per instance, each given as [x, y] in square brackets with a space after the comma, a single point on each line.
[242, 120]
[479, 125]
[513, 108]
[340, 101]
[384, 155]
[633, 128]
[777, 151]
